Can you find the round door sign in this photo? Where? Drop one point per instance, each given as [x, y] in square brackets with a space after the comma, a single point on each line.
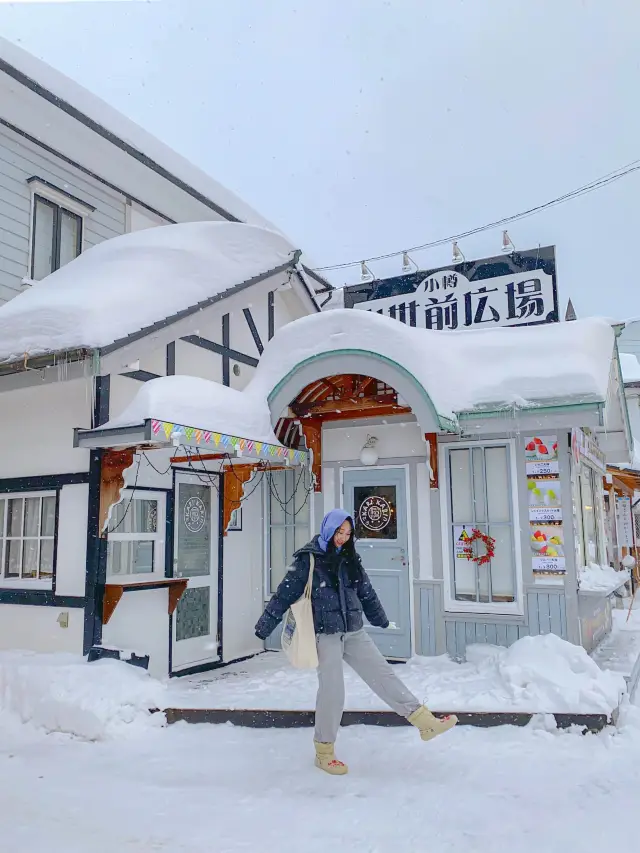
[195, 515]
[374, 513]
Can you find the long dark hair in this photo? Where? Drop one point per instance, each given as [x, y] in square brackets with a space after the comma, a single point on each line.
[352, 563]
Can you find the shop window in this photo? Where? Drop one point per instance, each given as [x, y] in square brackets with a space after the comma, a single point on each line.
[480, 497]
[288, 499]
[590, 504]
[27, 536]
[135, 541]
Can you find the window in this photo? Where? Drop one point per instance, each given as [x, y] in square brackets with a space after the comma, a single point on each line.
[480, 496]
[56, 237]
[135, 540]
[27, 536]
[590, 505]
[288, 499]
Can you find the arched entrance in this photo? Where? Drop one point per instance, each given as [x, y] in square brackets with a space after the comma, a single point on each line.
[337, 416]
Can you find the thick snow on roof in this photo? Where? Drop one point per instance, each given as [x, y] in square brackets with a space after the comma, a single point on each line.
[461, 371]
[130, 282]
[200, 403]
[630, 367]
[126, 130]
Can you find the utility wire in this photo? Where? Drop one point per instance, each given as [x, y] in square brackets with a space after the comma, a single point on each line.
[597, 184]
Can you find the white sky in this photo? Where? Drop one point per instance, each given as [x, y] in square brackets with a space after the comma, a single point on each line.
[364, 126]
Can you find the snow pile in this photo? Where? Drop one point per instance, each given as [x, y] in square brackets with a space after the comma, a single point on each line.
[130, 282]
[201, 403]
[506, 370]
[550, 673]
[63, 693]
[630, 367]
[594, 578]
[540, 675]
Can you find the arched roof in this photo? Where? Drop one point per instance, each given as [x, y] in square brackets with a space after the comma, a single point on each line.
[440, 374]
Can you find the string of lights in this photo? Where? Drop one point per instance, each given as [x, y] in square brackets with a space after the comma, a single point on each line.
[592, 186]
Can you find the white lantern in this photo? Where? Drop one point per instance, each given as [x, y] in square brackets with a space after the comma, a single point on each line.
[369, 453]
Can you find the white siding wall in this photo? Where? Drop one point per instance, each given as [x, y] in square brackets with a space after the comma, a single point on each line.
[244, 580]
[21, 159]
[37, 629]
[37, 429]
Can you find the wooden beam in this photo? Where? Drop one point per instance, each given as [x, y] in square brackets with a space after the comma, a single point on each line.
[114, 464]
[312, 431]
[226, 351]
[367, 405]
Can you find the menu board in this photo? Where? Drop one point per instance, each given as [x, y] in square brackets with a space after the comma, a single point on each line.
[546, 534]
[624, 521]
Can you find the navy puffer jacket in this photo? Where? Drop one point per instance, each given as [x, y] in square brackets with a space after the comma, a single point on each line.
[341, 592]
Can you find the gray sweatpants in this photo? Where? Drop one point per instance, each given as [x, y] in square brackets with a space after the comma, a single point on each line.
[362, 655]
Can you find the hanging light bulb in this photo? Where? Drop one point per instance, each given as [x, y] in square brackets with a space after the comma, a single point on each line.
[457, 254]
[507, 245]
[407, 263]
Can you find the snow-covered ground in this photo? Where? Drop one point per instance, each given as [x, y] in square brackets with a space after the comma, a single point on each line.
[220, 789]
[123, 783]
[536, 674]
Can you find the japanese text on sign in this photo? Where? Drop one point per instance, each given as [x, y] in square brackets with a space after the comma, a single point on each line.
[447, 300]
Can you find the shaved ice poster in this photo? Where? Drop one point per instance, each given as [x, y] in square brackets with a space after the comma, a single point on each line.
[541, 455]
[545, 500]
[547, 549]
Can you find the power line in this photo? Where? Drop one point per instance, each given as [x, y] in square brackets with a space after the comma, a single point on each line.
[597, 184]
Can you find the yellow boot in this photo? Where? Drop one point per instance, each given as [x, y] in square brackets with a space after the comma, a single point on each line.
[430, 726]
[327, 761]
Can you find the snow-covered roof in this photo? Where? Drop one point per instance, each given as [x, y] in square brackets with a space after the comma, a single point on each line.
[554, 364]
[129, 283]
[630, 367]
[201, 403]
[106, 118]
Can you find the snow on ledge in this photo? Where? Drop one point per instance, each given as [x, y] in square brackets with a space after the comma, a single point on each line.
[64, 693]
[129, 282]
[603, 580]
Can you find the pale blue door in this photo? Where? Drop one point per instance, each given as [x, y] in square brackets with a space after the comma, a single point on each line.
[377, 500]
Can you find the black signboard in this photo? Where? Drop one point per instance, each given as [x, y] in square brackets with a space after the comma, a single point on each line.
[518, 289]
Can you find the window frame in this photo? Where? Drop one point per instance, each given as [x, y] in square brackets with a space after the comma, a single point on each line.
[268, 590]
[451, 604]
[20, 582]
[595, 484]
[159, 538]
[59, 201]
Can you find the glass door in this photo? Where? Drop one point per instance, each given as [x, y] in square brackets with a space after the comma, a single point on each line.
[195, 620]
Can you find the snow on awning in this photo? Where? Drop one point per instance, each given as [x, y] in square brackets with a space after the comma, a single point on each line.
[185, 411]
[558, 365]
[129, 283]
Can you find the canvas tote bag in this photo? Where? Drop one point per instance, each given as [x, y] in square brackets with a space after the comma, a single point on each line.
[298, 631]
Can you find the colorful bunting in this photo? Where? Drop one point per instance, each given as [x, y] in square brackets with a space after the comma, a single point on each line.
[193, 436]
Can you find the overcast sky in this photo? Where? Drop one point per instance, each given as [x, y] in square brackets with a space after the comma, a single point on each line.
[364, 126]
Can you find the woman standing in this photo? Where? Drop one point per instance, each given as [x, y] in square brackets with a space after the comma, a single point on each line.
[341, 592]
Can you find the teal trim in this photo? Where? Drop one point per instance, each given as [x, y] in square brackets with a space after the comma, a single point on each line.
[446, 424]
[498, 413]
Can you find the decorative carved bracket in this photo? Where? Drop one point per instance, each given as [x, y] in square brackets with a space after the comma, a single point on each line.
[235, 477]
[113, 592]
[312, 431]
[114, 464]
[432, 438]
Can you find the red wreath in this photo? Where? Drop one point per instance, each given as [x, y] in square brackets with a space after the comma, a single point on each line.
[489, 543]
